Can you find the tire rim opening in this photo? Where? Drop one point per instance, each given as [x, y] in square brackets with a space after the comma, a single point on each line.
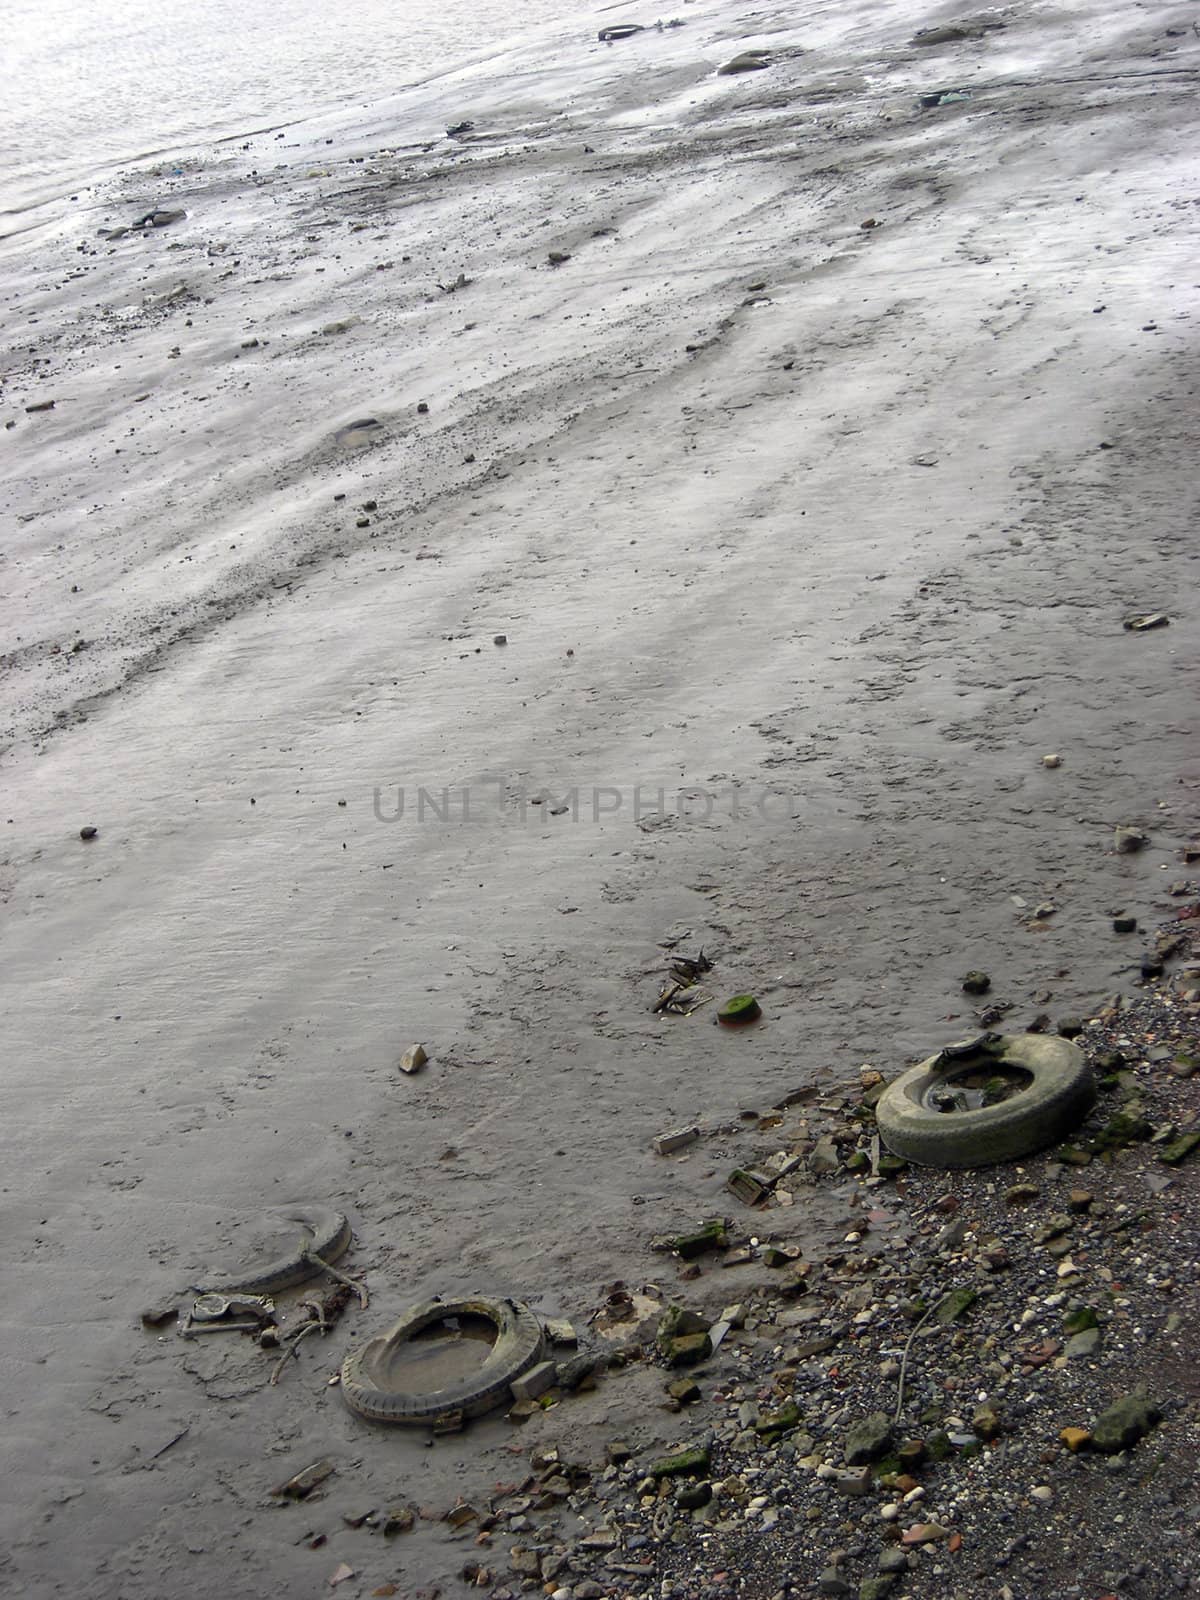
[441, 1353]
[971, 1088]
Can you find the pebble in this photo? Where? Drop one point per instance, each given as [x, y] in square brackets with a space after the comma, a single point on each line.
[1043, 1492]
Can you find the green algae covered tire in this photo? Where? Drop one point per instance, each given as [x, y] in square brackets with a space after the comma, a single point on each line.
[517, 1347]
[1058, 1092]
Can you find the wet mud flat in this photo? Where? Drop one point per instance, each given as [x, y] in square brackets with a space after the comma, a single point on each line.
[808, 542]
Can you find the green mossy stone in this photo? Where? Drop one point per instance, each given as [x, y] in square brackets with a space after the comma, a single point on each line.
[688, 1463]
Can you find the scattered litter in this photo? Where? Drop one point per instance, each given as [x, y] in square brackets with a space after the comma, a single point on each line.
[303, 1483]
[943, 97]
[1143, 624]
[667, 1143]
[358, 432]
[751, 1188]
[741, 1009]
[748, 61]
[160, 218]
[212, 1307]
[623, 30]
[163, 1448]
[679, 999]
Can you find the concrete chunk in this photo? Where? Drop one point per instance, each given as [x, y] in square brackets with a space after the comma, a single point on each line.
[535, 1382]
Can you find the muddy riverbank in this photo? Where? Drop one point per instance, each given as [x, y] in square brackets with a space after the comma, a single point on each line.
[827, 531]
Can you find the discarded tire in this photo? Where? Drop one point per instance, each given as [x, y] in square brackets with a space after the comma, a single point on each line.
[517, 1347]
[988, 1100]
[319, 1230]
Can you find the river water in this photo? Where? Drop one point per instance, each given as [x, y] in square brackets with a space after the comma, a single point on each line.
[86, 86]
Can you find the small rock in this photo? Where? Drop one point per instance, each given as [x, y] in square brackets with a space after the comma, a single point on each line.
[1180, 1149]
[1043, 1492]
[877, 1588]
[1124, 924]
[413, 1059]
[986, 1422]
[1052, 761]
[831, 1582]
[1148, 620]
[1125, 1422]
[89, 832]
[1128, 840]
[1075, 1439]
[924, 1533]
[691, 1496]
[976, 983]
[954, 1305]
[500, 638]
[869, 1439]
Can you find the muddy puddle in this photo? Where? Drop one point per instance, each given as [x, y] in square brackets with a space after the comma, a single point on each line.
[440, 1354]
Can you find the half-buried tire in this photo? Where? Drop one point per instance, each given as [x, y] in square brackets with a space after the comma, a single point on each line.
[369, 1376]
[937, 1114]
[317, 1230]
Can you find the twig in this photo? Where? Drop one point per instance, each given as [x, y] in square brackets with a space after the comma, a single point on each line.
[162, 1449]
[351, 1283]
[302, 1333]
[908, 1346]
[318, 1310]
